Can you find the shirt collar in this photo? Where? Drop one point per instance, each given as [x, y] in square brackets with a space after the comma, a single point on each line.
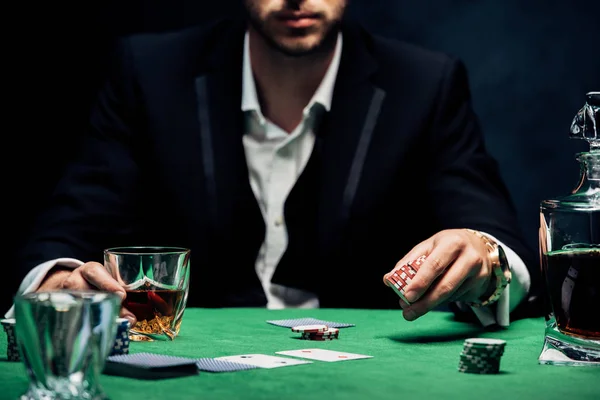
[323, 95]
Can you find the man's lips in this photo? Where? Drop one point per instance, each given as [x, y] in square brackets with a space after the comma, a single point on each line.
[297, 19]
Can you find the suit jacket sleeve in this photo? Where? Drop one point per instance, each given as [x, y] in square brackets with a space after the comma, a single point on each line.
[465, 186]
[92, 205]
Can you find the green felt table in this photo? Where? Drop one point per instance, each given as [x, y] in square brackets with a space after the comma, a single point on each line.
[415, 360]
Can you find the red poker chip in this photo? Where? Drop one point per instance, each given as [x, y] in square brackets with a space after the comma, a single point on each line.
[328, 332]
[407, 274]
[310, 328]
[399, 275]
[398, 280]
[415, 264]
[402, 276]
[320, 337]
[393, 283]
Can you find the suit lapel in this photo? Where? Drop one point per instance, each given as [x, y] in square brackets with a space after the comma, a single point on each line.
[345, 135]
[220, 119]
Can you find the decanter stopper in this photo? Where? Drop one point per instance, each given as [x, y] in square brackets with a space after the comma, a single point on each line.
[586, 124]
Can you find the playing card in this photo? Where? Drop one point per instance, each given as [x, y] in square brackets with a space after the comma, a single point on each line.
[214, 365]
[263, 360]
[150, 366]
[290, 323]
[323, 355]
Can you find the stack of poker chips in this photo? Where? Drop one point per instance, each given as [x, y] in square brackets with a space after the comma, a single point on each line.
[317, 332]
[401, 276]
[12, 351]
[481, 356]
[120, 345]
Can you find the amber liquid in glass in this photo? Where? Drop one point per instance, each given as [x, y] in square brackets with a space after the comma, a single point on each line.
[155, 310]
[573, 282]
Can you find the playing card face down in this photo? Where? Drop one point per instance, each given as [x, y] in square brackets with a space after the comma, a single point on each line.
[150, 366]
[264, 361]
[290, 323]
[215, 365]
[323, 355]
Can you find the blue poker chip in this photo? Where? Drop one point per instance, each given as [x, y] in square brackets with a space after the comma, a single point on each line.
[123, 323]
[121, 344]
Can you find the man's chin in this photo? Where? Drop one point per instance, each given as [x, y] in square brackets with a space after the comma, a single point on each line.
[298, 47]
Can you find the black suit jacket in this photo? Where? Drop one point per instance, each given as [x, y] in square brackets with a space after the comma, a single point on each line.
[399, 157]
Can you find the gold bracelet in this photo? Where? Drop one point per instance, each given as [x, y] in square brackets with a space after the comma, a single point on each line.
[500, 268]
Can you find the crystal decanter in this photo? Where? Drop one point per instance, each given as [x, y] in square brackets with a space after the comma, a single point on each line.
[570, 255]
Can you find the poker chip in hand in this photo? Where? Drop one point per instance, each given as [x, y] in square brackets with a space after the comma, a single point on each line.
[400, 277]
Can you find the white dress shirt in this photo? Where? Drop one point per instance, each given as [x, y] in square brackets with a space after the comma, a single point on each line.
[275, 161]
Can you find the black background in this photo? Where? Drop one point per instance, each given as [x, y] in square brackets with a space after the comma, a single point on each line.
[530, 63]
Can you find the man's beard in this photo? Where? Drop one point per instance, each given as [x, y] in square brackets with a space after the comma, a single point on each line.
[326, 41]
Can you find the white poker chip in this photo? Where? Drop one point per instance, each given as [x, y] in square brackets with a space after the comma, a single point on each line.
[310, 328]
[484, 342]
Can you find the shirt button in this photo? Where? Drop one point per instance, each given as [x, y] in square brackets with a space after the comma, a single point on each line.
[279, 221]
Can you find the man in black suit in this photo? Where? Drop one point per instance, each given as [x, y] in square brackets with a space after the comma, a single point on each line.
[300, 159]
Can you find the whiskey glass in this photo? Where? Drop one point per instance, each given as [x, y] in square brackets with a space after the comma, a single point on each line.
[156, 281]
